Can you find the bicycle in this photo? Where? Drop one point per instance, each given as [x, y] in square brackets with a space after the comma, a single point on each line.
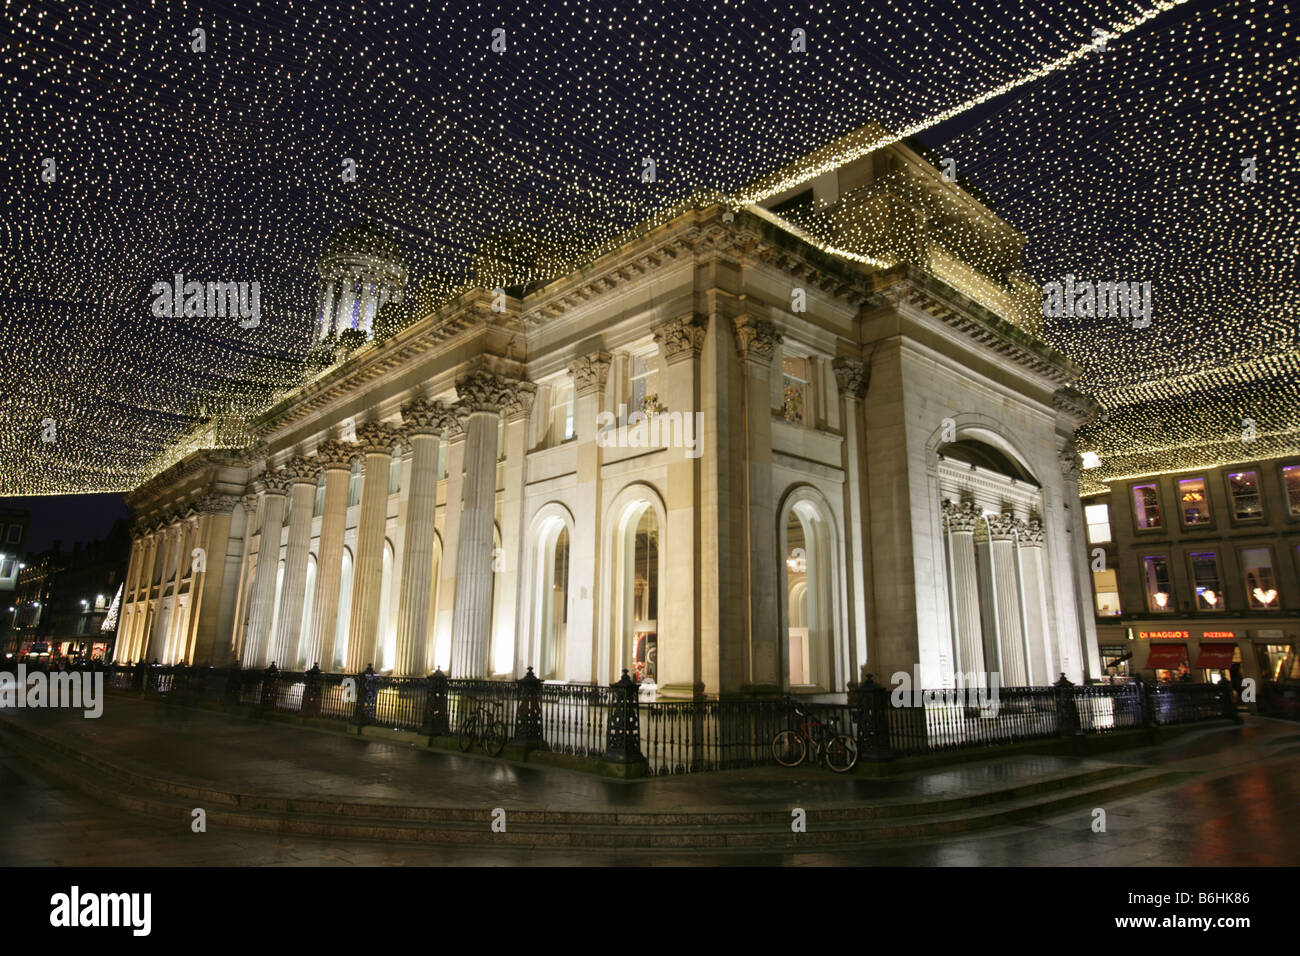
[838, 751]
[483, 726]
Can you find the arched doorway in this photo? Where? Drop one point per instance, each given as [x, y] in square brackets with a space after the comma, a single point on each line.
[550, 595]
[808, 594]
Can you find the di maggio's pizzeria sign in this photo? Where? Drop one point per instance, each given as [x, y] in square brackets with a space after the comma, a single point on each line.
[1186, 635]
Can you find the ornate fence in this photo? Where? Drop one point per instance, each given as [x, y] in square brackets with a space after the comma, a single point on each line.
[671, 737]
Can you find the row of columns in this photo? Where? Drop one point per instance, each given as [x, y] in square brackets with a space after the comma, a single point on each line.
[997, 596]
[483, 396]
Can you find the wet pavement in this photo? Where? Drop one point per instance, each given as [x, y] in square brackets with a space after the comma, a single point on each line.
[1239, 811]
[268, 758]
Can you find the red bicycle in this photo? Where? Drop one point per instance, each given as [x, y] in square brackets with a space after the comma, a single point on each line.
[838, 751]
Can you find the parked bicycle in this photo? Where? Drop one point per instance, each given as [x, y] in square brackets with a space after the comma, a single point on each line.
[791, 746]
[483, 726]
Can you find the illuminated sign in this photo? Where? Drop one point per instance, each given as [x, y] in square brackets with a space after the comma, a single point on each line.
[1164, 635]
[1218, 635]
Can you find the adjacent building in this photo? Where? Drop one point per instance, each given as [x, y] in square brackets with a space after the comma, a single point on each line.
[723, 456]
[1196, 572]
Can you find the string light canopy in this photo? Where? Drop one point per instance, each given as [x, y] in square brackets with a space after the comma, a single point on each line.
[151, 145]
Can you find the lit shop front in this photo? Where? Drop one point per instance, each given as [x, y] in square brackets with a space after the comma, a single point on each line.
[1206, 655]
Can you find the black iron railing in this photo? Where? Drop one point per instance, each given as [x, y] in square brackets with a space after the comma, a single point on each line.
[691, 736]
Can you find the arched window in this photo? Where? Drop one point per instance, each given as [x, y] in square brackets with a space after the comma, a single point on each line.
[551, 607]
[386, 640]
[638, 598]
[808, 569]
[275, 615]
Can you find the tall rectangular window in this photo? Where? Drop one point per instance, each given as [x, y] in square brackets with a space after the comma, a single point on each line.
[795, 375]
[1098, 518]
[1193, 501]
[643, 391]
[1157, 583]
[1261, 586]
[1243, 489]
[561, 425]
[1291, 481]
[1146, 506]
[1205, 581]
[1107, 591]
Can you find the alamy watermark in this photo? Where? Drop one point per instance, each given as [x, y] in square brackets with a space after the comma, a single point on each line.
[1116, 300]
[654, 430]
[970, 690]
[81, 691]
[214, 300]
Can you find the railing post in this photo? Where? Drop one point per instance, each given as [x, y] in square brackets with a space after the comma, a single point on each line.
[367, 693]
[1067, 711]
[313, 689]
[233, 683]
[437, 721]
[141, 676]
[1229, 705]
[270, 687]
[1146, 702]
[623, 728]
[528, 713]
[869, 701]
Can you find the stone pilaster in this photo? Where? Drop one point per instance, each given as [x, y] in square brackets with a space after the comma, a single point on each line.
[1042, 663]
[376, 441]
[756, 341]
[423, 425]
[335, 459]
[852, 378]
[206, 587]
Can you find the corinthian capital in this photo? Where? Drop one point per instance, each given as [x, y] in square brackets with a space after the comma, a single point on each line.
[335, 455]
[852, 377]
[422, 417]
[590, 372]
[681, 338]
[376, 438]
[272, 483]
[1070, 460]
[1031, 534]
[484, 391]
[756, 339]
[301, 471]
[961, 517]
[216, 504]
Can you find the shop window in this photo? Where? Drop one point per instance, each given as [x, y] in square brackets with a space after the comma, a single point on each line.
[1243, 489]
[1278, 662]
[1158, 584]
[1098, 518]
[1261, 586]
[1194, 502]
[1107, 591]
[1115, 659]
[1205, 581]
[1146, 506]
[1291, 481]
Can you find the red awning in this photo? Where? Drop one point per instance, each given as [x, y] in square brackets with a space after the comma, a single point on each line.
[1167, 656]
[1217, 656]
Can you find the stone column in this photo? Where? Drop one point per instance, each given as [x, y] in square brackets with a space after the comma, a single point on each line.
[206, 585]
[157, 637]
[681, 669]
[483, 395]
[756, 340]
[446, 596]
[244, 586]
[423, 425]
[590, 378]
[963, 590]
[1080, 656]
[326, 312]
[335, 458]
[301, 476]
[1042, 664]
[175, 645]
[376, 441]
[272, 489]
[1005, 584]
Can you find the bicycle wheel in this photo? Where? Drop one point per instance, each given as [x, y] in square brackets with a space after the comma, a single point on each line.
[468, 732]
[494, 738]
[841, 753]
[789, 748]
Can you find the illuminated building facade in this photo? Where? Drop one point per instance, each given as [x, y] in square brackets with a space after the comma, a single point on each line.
[1196, 571]
[717, 456]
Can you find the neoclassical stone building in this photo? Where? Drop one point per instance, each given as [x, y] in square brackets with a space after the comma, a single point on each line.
[722, 456]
